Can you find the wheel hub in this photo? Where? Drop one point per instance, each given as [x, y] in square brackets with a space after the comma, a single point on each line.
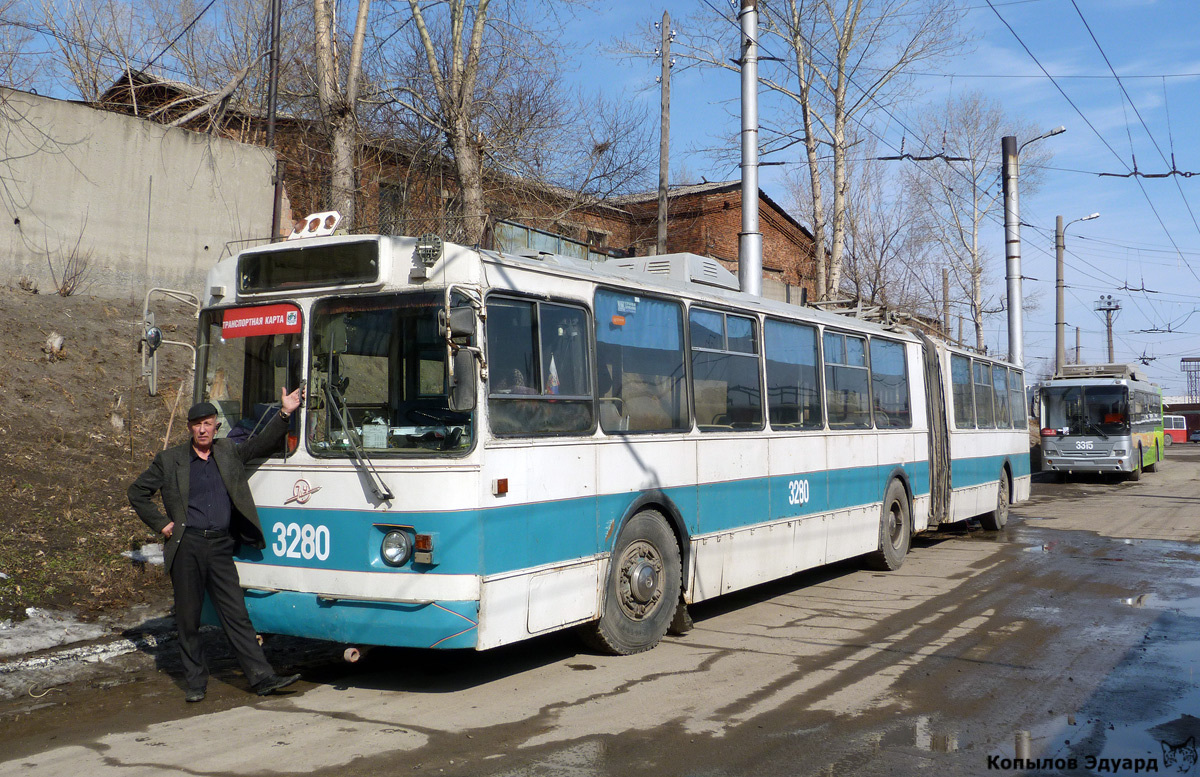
[641, 570]
[643, 581]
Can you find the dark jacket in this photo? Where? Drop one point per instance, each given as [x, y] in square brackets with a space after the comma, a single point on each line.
[170, 473]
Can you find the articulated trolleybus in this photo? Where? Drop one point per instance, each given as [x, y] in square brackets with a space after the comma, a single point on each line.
[497, 446]
[1101, 418]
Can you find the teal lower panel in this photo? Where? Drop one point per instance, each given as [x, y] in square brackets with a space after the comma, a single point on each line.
[435, 624]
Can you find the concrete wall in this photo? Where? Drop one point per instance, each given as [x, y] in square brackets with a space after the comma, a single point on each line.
[153, 206]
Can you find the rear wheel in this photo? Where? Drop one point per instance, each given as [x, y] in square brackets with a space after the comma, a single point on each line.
[1153, 466]
[998, 518]
[895, 529]
[642, 592]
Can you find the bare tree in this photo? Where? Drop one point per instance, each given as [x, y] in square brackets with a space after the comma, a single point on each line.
[97, 40]
[486, 76]
[338, 100]
[956, 197]
[840, 61]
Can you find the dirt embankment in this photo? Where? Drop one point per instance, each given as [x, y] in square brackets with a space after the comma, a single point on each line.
[76, 426]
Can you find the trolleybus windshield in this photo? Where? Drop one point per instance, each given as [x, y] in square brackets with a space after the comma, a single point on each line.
[378, 378]
[1096, 411]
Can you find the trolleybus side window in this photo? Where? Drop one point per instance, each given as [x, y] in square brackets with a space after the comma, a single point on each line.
[378, 378]
[245, 356]
[793, 378]
[642, 385]
[541, 373]
[1016, 399]
[1000, 386]
[962, 388]
[725, 375]
[889, 385]
[985, 410]
[847, 381]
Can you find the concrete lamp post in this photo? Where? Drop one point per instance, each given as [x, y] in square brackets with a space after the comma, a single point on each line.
[1060, 316]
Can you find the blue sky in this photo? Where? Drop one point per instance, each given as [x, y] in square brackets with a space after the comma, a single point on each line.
[1148, 234]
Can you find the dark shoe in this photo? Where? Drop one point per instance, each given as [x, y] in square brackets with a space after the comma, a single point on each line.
[194, 694]
[273, 683]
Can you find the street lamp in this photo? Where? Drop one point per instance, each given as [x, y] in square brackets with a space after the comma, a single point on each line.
[1012, 239]
[1060, 323]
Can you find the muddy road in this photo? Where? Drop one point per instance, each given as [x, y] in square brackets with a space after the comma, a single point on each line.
[1074, 634]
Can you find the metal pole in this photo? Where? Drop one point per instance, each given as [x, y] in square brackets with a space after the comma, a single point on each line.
[273, 78]
[664, 133]
[1108, 315]
[272, 100]
[750, 239]
[1012, 249]
[1060, 321]
[1077, 345]
[946, 302]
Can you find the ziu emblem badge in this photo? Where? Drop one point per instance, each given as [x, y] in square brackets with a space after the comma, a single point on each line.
[301, 492]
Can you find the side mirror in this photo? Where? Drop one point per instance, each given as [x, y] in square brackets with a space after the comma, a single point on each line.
[462, 381]
[154, 339]
[460, 322]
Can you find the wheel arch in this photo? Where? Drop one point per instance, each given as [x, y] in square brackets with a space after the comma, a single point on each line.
[656, 499]
[899, 473]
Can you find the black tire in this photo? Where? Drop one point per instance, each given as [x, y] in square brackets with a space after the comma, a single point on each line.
[1136, 474]
[895, 529]
[642, 591]
[1153, 466]
[1168, 441]
[998, 518]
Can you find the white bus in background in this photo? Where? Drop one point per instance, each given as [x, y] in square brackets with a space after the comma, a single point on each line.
[499, 446]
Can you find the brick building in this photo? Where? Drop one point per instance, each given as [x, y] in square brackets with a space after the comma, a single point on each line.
[402, 192]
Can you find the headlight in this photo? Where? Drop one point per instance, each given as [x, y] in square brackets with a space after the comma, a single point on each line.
[396, 548]
[1118, 452]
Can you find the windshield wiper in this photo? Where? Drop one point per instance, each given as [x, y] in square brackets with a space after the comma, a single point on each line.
[1088, 424]
[338, 403]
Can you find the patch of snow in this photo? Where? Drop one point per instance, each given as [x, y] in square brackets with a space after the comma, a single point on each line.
[147, 554]
[44, 629]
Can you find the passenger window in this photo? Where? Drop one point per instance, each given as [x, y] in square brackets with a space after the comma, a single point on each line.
[964, 397]
[793, 382]
[725, 376]
[847, 383]
[1017, 403]
[642, 385]
[1000, 385]
[985, 411]
[540, 372]
[889, 385]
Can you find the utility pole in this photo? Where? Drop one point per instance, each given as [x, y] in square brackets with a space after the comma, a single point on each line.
[272, 100]
[1109, 307]
[664, 136]
[1077, 345]
[946, 302]
[1060, 320]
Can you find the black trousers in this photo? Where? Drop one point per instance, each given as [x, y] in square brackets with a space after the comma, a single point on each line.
[206, 565]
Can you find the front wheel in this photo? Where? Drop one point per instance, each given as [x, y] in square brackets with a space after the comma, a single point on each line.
[642, 591]
[1136, 474]
[996, 519]
[895, 529]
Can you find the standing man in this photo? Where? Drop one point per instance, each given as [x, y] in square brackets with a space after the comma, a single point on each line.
[209, 512]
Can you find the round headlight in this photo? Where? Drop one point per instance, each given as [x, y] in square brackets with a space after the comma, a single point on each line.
[396, 548]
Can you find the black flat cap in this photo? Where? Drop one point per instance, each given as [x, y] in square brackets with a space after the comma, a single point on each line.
[201, 410]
